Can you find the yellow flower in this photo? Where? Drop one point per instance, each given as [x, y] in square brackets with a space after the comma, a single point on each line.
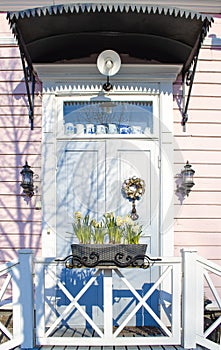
[77, 215]
[136, 229]
[94, 223]
[128, 220]
[109, 215]
[119, 221]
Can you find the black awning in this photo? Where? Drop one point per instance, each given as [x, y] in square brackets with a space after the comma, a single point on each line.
[139, 33]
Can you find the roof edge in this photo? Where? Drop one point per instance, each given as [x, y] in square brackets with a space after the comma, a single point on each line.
[110, 7]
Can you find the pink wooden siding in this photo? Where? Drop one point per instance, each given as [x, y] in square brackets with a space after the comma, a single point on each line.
[20, 222]
[198, 218]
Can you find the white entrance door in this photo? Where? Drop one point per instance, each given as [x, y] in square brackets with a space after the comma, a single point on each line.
[90, 174]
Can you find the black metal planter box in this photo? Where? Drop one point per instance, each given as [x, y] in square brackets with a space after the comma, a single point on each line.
[120, 255]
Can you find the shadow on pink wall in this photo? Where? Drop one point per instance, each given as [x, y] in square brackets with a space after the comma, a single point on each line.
[20, 222]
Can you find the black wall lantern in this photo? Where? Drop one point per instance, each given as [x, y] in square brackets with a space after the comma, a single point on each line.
[187, 179]
[27, 181]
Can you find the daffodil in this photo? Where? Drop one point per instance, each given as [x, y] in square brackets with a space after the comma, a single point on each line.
[119, 229]
[119, 221]
[77, 215]
[82, 227]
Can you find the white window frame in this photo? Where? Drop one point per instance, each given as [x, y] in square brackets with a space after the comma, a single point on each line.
[67, 81]
[114, 97]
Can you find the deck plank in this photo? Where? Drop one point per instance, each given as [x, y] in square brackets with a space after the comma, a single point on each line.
[70, 333]
[64, 332]
[88, 334]
[152, 347]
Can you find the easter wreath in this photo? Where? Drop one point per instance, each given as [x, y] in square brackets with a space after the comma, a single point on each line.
[133, 188]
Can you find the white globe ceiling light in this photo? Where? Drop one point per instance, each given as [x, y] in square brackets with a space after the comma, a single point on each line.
[108, 64]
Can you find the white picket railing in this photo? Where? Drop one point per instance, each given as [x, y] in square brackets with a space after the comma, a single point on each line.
[206, 270]
[166, 272]
[165, 278]
[17, 277]
[197, 273]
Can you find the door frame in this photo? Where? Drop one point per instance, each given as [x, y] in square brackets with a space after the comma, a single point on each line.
[132, 80]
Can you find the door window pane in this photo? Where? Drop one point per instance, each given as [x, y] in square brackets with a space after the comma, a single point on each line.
[108, 117]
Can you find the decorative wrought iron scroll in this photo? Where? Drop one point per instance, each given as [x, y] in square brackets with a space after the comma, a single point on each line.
[119, 260]
[188, 79]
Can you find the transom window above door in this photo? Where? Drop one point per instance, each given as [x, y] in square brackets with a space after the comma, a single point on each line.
[107, 117]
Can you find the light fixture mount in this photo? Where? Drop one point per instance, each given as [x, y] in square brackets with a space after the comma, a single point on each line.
[108, 64]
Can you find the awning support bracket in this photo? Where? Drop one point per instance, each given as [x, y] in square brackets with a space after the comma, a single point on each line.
[29, 74]
[188, 78]
[29, 78]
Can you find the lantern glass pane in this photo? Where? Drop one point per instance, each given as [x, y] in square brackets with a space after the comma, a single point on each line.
[188, 176]
[27, 179]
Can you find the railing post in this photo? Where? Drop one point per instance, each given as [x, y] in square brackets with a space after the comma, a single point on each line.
[26, 299]
[189, 304]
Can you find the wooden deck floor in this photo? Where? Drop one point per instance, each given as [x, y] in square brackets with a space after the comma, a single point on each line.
[112, 348]
[69, 332]
[6, 318]
[128, 331]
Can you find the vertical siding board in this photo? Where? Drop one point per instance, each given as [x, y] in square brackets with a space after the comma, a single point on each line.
[198, 218]
[20, 222]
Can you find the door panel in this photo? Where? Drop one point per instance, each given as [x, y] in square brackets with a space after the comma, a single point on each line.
[140, 159]
[80, 186]
[89, 179]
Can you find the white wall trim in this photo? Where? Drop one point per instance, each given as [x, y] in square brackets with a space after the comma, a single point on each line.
[60, 73]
